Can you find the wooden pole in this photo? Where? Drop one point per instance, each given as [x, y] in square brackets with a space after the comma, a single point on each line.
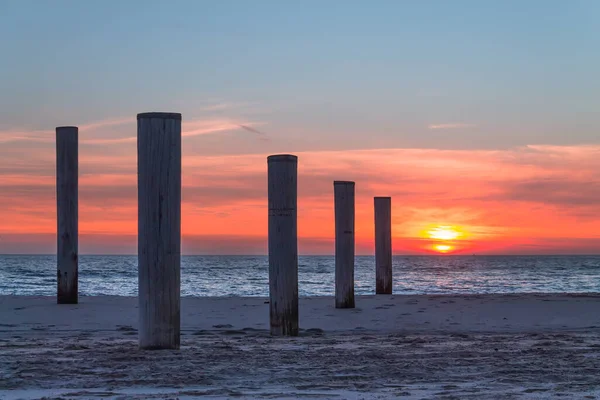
[383, 245]
[344, 244]
[283, 244]
[159, 229]
[67, 214]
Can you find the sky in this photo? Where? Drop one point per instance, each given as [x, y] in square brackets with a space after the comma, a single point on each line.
[480, 119]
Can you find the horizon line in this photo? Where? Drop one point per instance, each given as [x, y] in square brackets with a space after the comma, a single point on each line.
[333, 255]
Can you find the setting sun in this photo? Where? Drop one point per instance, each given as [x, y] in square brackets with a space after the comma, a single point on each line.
[444, 238]
[442, 248]
[444, 232]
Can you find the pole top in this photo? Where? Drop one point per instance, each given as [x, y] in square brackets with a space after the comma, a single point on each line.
[159, 115]
[343, 183]
[382, 198]
[66, 128]
[282, 158]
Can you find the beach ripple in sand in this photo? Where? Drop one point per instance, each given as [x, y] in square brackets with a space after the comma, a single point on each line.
[253, 365]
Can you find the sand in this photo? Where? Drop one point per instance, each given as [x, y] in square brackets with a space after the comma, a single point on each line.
[526, 346]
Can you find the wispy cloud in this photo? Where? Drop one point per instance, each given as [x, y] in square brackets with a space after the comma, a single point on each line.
[109, 122]
[450, 126]
[263, 136]
[129, 139]
[27, 136]
[47, 136]
[220, 106]
[205, 127]
[189, 129]
[227, 105]
[92, 132]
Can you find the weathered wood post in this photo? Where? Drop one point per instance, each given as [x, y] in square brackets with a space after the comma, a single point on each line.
[283, 244]
[383, 245]
[159, 229]
[67, 253]
[344, 244]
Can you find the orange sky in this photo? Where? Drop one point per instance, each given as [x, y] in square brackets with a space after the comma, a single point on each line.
[526, 200]
[477, 116]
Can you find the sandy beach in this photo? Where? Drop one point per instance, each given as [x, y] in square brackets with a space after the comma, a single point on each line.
[526, 346]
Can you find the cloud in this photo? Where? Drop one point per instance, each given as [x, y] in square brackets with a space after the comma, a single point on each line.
[27, 136]
[221, 106]
[188, 129]
[518, 200]
[217, 107]
[562, 191]
[263, 136]
[451, 126]
[204, 127]
[129, 139]
[48, 136]
[95, 133]
[109, 122]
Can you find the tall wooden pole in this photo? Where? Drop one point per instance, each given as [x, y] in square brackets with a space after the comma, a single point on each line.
[159, 229]
[283, 244]
[383, 245]
[67, 214]
[344, 244]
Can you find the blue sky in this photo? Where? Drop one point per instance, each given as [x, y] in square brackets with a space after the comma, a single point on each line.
[316, 75]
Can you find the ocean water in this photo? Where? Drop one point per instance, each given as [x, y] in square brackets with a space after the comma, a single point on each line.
[248, 275]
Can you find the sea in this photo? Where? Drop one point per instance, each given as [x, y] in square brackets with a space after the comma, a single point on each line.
[249, 275]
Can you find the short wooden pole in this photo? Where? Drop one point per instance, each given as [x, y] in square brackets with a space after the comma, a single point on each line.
[344, 244]
[67, 214]
[383, 245]
[283, 244]
[159, 229]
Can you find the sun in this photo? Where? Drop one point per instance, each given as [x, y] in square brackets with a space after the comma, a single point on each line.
[442, 248]
[444, 238]
[444, 232]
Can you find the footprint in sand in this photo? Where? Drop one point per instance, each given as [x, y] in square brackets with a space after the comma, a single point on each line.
[203, 333]
[223, 326]
[535, 390]
[252, 330]
[126, 328]
[313, 332]
[232, 332]
[39, 328]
